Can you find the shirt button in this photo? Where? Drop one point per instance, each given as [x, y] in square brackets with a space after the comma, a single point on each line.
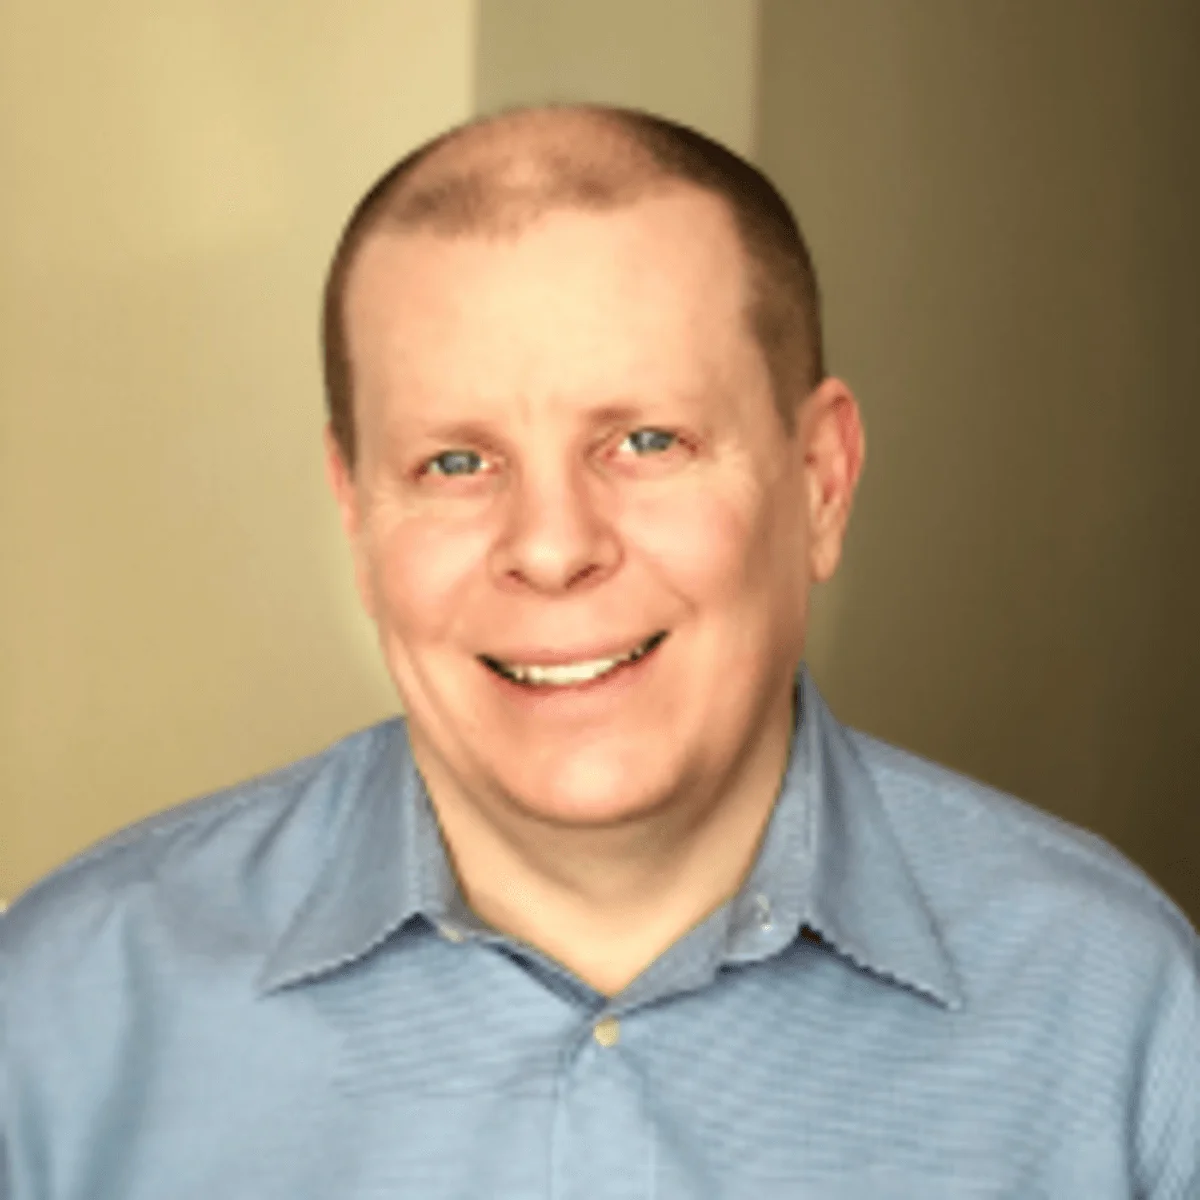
[607, 1031]
[762, 912]
[450, 933]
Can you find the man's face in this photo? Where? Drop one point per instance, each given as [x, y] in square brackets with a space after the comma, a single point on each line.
[568, 445]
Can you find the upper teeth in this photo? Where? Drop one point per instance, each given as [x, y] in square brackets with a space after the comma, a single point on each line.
[572, 672]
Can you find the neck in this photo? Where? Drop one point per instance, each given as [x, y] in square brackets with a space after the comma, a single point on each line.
[605, 903]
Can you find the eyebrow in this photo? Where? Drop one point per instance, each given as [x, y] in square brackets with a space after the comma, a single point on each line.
[484, 433]
[615, 414]
[476, 432]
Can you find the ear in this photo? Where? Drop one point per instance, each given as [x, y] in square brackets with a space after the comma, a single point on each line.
[834, 450]
[340, 476]
[344, 487]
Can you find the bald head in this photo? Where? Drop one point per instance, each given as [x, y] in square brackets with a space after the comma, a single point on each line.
[495, 177]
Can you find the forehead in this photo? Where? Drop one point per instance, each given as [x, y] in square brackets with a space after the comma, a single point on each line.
[655, 290]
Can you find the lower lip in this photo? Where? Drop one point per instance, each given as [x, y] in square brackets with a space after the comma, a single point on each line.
[572, 698]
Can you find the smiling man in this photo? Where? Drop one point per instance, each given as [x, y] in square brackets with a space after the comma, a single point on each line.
[619, 909]
[578, 525]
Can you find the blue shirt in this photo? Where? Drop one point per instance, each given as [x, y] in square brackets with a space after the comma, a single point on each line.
[925, 989]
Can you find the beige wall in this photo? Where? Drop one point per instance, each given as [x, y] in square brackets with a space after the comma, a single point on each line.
[1003, 202]
[176, 609]
[694, 60]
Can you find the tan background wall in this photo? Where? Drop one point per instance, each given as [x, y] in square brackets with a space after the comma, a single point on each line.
[694, 60]
[177, 610]
[1003, 200]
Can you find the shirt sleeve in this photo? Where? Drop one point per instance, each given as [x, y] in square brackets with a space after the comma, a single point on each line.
[6, 1192]
[6, 1187]
[1169, 1130]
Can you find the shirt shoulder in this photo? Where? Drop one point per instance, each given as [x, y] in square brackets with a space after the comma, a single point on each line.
[1043, 920]
[238, 861]
[968, 839]
[1053, 930]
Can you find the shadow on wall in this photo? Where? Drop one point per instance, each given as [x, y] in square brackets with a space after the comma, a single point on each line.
[1001, 201]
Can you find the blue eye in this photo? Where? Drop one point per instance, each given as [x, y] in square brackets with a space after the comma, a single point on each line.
[454, 462]
[651, 439]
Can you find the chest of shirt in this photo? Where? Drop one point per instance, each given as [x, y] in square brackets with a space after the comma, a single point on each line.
[432, 1070]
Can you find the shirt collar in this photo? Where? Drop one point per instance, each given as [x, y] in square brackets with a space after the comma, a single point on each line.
[862, 897]
[829, 865]
[387, 865]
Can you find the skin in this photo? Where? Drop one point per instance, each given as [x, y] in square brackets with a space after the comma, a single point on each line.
[599, 832]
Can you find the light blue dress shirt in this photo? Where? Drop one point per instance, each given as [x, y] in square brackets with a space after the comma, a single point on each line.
[925, 989]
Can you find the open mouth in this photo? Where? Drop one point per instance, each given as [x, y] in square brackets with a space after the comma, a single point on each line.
[571, 674]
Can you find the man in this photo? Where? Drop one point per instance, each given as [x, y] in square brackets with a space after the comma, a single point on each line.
[619, 909]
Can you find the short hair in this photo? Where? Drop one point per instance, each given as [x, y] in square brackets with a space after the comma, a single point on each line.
[483, 179]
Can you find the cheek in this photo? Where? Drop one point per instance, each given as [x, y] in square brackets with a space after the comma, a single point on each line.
[421, 572]
[741, 548]
[706, 545]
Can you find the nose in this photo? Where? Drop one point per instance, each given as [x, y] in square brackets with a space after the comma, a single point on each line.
[557, 533]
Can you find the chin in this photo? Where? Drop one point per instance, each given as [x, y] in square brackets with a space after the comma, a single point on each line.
[584, 790]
